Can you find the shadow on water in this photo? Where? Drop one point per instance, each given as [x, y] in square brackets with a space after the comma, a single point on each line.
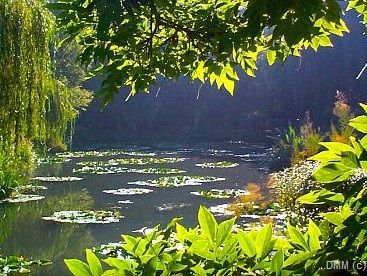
[23, 232]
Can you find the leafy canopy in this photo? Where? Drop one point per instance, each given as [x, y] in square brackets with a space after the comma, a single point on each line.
[133, 43]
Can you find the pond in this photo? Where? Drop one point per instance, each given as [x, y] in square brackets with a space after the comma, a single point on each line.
[131, 182]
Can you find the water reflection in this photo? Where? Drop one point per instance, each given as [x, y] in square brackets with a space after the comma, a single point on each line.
[23, 232]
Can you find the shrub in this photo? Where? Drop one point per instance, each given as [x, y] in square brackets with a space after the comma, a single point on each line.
[291, 183]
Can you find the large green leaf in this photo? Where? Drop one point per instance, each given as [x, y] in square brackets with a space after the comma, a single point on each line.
[359, 123]
[94, 263]
[78, 268]
[207, 223]
[333, 172]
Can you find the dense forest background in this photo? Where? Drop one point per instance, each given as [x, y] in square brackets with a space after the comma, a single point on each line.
[279, 95]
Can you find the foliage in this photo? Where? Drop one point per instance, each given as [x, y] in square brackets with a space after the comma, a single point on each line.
[214, 248]
[135, 43]
[291, 183]
[293, 147]
[342, 110]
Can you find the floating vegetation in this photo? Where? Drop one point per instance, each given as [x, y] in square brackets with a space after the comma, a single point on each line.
[30, 187]
[221, 164]
[112, 170]
[112, 249]
[15, 264]
[125, 202]
[225, 193]
[100, 170]
[156, 171]
[20, 198]
[81, 217]
[93, 153]
[177, 181]
[172, 206]
[132, 161]
[132, 191]
[53, 160]
[57, 178]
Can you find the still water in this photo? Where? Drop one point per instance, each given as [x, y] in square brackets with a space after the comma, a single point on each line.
[23, 232]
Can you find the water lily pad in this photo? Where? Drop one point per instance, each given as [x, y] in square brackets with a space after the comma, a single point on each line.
[156, 171]
[81, 217]
[100, 170]
[114, 170]
[112, 249]
[132, 161]
[57, 178]
[30, 187]
[15, 264]
[93, 153]
[172, 206]
[53, 160]
[132, 191]
[125, 202]
[177, 181]
[217, 193]
[20, 198]
[222, 164]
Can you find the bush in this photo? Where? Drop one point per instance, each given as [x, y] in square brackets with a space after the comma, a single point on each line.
[292, 182]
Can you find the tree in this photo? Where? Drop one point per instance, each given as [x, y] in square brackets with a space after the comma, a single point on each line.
[133, 43]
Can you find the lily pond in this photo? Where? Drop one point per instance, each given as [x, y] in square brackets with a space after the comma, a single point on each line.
[87, 199]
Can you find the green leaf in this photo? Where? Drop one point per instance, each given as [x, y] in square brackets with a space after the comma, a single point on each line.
[334, 217]
[199, 270]
[321, 197]
[359, 123]
[337, 147]
[333, 172]
[263, 241]
[277, 262]
[325, 41]
[94, 263]
[208, 224]
[297, 237]
[325, 156]
[78, 268]
[364, 106]
[271, 56]
[247, 243]
[313, 233]
[224, 229]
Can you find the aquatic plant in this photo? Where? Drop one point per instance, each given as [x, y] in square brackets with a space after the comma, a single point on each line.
[132, 161]
[20, 198]
[15, 264]
[131, 191]
[57, 178]
[177, 181]
[81, 217]
[224, 193]
[221, 164]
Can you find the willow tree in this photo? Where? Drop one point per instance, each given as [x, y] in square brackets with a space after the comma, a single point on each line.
[25, 73]
[35, 106]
